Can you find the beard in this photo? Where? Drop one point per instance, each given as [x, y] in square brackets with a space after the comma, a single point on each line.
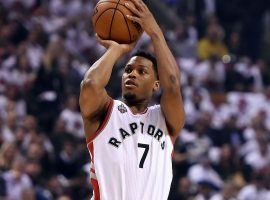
[131, 98]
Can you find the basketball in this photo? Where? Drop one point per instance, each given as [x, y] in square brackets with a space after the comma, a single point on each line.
[110, 22]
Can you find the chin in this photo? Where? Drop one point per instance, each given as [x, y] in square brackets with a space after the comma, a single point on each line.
[130, 97]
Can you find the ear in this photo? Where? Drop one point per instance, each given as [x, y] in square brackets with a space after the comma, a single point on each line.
[156, 86]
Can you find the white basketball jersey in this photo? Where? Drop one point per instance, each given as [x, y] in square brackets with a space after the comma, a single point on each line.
[131, 155]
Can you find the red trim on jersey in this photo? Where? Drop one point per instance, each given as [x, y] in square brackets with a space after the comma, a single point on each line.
[143, 112]
[103, 124]
[94, 182]
[92, 170]
[139, 113]
[172, 140]
[95, 185]
[91, 149]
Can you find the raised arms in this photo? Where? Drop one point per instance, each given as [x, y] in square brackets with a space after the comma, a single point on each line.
[171, 99]
[94, 99]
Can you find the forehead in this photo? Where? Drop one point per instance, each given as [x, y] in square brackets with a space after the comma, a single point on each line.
[140, 61]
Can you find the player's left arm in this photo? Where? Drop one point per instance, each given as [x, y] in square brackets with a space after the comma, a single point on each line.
[169, 74]
[169, 77]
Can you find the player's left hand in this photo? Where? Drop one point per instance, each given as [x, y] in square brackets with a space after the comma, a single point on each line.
[122, 48]
[143, 16]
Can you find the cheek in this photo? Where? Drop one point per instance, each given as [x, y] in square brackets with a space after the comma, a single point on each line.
[147, 85]
[122, 79]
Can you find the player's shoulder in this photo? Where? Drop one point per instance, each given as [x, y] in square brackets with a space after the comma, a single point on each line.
[155, 109]
[120, 106]
[118, 103]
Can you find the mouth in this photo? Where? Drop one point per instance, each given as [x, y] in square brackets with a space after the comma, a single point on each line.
[130, 83]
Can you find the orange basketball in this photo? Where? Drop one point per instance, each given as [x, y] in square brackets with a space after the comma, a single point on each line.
[110, 21]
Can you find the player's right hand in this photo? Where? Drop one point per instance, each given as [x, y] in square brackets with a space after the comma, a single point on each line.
[122, 48]
[143, 16]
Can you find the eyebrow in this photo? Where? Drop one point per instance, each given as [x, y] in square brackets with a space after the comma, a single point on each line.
[130, 65]
[143, 66]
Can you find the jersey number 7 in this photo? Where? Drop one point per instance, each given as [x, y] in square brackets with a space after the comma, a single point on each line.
[146, 149]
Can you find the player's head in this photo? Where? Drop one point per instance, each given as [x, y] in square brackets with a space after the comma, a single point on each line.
[140, 78]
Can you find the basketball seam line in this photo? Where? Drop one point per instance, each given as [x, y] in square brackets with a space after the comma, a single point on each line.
[126, 24]
[112, 19]
[111, 2]
[102, 14]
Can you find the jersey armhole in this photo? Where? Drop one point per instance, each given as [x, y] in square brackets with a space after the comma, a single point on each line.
[103, 123]
[170, 135]
[167, 126]
[171, 139]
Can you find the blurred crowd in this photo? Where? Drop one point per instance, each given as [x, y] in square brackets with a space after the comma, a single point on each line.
[223, 152]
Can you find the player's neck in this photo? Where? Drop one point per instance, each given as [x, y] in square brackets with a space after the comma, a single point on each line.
[138, 107]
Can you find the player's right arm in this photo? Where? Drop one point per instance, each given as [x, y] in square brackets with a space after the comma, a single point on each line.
[94, 99]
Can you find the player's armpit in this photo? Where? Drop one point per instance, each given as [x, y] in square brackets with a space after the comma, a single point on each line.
[93, 124]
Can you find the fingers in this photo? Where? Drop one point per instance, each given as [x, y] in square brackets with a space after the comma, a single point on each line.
[99, 39]
[134, 19]
[140, 5]
[105, 43]
[129, 47]
[133, 10]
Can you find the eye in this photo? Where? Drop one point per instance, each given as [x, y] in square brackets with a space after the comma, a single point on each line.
[142, 71]
[128, 70]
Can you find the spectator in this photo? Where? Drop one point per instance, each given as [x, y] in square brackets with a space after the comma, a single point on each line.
[18, 184]
[206, 190]
[229, 192]
[255, 190]
[184, 41]
[67, 161]
[72, 118]
[259, 158]
[212, 44]
[225, 165]
[59, 135]
[184, 190]
[204, 173]
[8, 152]
[10, 127]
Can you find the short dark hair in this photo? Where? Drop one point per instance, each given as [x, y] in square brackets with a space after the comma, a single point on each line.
[148, 56]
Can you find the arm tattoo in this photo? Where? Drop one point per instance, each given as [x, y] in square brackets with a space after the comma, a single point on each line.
[172, 79]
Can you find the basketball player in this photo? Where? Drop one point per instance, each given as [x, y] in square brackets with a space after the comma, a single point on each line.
[130, 143]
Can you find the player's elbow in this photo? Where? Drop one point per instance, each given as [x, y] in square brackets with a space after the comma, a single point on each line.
[90, 86]
[88, 83]
[89, 90]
